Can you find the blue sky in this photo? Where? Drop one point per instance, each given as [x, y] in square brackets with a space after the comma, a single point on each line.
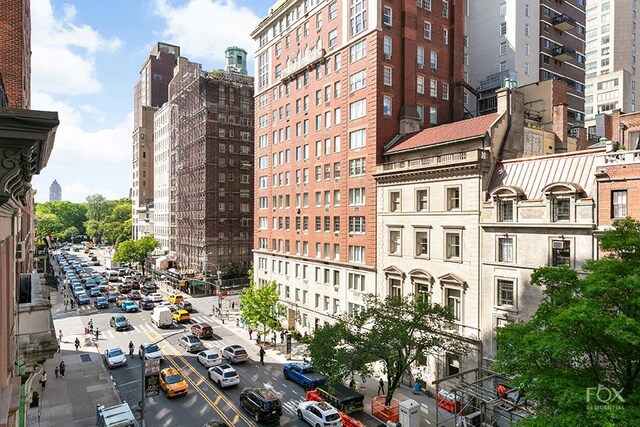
[86, 59]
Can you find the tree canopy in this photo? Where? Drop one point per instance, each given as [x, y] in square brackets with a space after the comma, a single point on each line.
[584, 337]
[396, 331]
[259, 306]
[136, 251]
[59, 217]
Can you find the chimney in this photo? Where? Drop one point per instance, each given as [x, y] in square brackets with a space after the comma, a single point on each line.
[560, 127]
[502, 101]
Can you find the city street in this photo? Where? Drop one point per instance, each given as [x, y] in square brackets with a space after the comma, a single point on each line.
[205, 401]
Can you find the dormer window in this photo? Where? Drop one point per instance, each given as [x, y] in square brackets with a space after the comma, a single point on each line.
[560, 196]
[505, 210]
[561, 209]
[505, 200]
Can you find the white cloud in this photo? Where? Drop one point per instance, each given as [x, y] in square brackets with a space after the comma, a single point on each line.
[205, 28]
[63, 59]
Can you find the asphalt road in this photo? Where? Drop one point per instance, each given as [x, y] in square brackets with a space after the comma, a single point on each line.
[205, 401]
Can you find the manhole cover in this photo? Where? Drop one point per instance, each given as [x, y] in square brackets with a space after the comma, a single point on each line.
[85, 357]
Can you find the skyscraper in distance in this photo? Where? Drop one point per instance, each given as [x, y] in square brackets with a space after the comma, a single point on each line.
[55, 191]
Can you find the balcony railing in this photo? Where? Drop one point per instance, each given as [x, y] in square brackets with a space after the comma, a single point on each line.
[306, 61]
[496, 80]
[620, 157]
[564, 53]
[434, 161]
[563, 22]
[36, 332]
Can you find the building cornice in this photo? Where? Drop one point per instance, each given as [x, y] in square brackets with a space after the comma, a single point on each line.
[26, 142]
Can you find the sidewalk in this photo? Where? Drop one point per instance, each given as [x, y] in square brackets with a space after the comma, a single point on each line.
[72, 400]
[368, 388]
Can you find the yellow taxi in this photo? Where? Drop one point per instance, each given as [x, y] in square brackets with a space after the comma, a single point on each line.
[181, 316]
[120, 299]
[175, 298]
[172, 383]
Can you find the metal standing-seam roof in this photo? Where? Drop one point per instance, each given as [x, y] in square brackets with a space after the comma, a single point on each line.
[534, 173]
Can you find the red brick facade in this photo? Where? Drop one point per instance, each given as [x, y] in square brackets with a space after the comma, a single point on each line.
[15, 51]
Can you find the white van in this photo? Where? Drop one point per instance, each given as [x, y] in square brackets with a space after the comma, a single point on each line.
[113, 276]
[161, 317]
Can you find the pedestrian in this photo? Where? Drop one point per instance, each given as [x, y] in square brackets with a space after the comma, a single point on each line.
[416, 387]
[97, 332]
[63, 367]
[352, 383]
[43, 379]
[380, 387]
[274, 338]
[250, 332]
[237, 322]
[77, 343]
[258, 338]
[131, 347]
[261, 354]
[233, 305]
[60, 336]
[282, 334]
[56, 371]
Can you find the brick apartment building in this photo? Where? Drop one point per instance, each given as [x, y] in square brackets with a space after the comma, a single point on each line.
[211, 178]
[15, 51]
[336, 81]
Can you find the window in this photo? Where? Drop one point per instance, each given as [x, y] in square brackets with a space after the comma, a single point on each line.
[387, 76]
[505, 249]
[526, 30]
[358, 51]
[505, 292]
[387, 46]
[560, 253]
[387, 105]
[561, 209]
[356, 254]
[333, 38]
[356, 196]
[619, 204]
[427, 30]
[358, 16]
[357, 139]
[445, 9]
[503, 28]
[420, 56]
[333, 10]
[395, 287]
[503, 9]
[454, 302]
[357, 109]
[422, 200]
[356, 224]
[357, 167]
[357, 81]
[505, 210]
[503, 48]
[433, 60]
[445, 36]
[394, 201]
[453, 249]
[395, 247]
[445, 91]
[433, 115]
[422, 243]
[453, 198]
[433, 88]
[420, 84]
[356, 282]
[387, 16]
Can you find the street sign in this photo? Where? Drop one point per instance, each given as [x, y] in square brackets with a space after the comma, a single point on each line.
[288, 345]
[151, 385]
[152, 367]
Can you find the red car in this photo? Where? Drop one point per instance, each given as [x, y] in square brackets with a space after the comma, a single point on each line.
[202, 330]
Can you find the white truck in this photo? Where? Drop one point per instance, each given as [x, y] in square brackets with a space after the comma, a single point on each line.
[110, 264]
[161, 317]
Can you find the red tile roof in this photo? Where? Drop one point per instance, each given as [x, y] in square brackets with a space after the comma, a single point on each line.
[457, 131]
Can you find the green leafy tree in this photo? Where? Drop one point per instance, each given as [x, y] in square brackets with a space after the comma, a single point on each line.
[48, 223]
[70, 232]
[97, 207]
[584, 335]
[259, 306]
[396, 331]
[94, 230]
[136, 251]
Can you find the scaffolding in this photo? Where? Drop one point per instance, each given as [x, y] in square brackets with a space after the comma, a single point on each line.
[473, 400]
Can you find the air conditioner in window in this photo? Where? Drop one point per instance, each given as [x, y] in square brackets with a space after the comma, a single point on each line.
[20, 251]
[387, 56]
[558, 244]
[421, 66]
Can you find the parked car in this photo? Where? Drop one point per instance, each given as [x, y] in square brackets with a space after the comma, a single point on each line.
[101, 302]
[202, 330]
[262, 403]
[319, 414]
[146, 304]
[151, 351]
[172, 383]
[114, 357]
[119, 323]
[235, 354]
[224, 375]
[303, 374]
[191, 343]
[181, 316]
[209, 358]
[129, 307]
[185, 305]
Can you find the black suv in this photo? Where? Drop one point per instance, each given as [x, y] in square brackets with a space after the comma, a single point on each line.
[148, 288]
[262, 403]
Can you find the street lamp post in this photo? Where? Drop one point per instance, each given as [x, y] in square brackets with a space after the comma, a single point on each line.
[143, 372]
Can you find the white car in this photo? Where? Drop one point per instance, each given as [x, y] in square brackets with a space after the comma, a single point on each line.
[151, 351]
[319, 414]
[235, 353]
[155, 297]
[224, 375]
[115, 357]
[209, 358]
